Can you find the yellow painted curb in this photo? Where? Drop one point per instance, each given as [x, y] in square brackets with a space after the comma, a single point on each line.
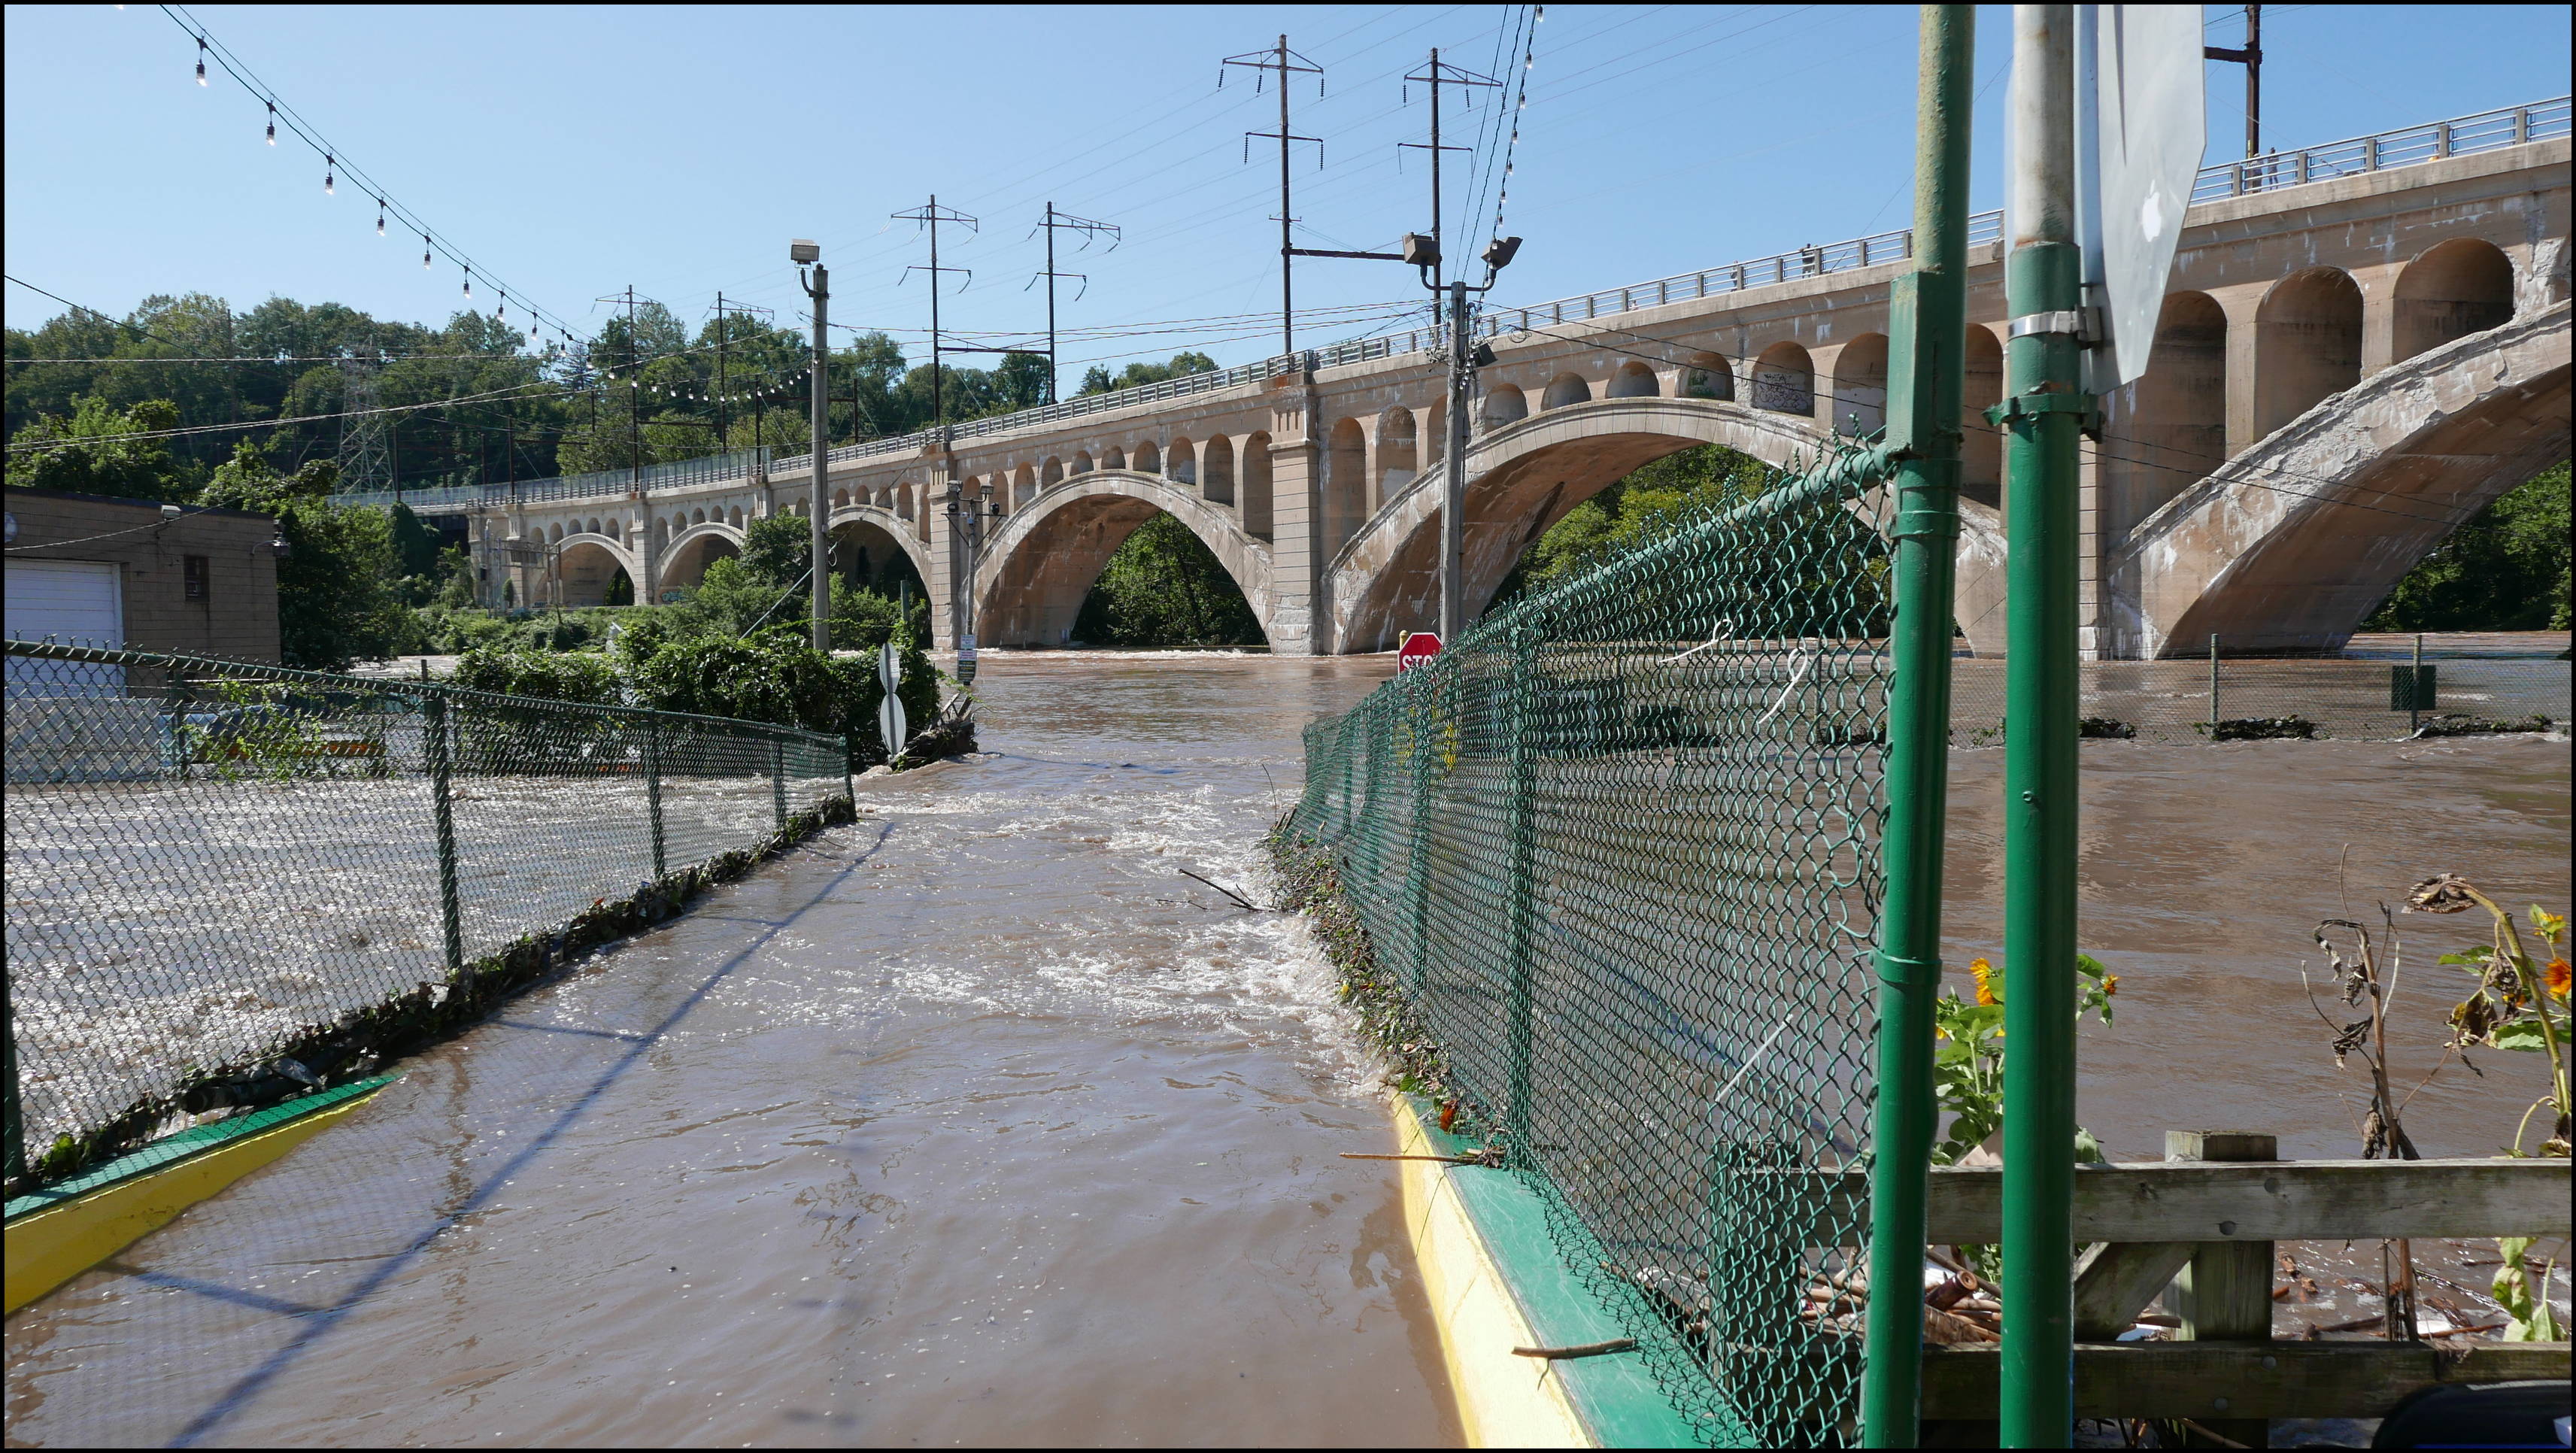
[49, 1247]
[1504, 1401]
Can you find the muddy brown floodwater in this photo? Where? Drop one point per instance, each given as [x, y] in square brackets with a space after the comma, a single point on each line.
[976, 1122]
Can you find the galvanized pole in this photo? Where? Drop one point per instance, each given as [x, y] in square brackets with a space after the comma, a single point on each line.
[434, 730]
[1922, 427]
[821, 426]
[2213, 685]
[1453, 470]
[2415, 692]
[1287, 241]
[2045, 410]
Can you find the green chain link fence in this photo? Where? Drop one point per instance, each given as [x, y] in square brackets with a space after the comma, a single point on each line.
[1617, 849]
[229, 884]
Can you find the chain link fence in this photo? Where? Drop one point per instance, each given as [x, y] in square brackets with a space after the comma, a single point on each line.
[2247, 698]
[229, 884]
[1617, 851]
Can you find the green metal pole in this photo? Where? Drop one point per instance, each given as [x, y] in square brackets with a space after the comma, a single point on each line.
[2045, 409]
[1923, 427]
[1521, 985]
[16, 1127]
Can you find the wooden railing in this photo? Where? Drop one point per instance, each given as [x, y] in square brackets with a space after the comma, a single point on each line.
[2198, 1230]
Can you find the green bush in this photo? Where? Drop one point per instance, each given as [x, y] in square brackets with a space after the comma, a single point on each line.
[774, 675]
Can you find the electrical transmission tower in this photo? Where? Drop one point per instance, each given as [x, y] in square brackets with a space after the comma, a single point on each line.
[366, 457]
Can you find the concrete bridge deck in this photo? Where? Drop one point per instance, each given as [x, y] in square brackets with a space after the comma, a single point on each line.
[2364, 344]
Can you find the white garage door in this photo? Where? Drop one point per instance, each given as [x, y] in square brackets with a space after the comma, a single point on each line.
[77, 602]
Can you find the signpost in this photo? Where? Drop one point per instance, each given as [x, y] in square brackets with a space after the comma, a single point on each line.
[1418, 649]
[890, 723]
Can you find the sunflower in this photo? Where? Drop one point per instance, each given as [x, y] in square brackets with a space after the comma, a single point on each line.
[2556, 976]
[1985, 973]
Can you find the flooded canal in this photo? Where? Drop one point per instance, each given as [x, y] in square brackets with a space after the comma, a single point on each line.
[979, 1122]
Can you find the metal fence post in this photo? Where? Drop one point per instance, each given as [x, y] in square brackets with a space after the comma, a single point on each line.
[16, 1128]
[2213, 685]
[1418, 849]
[450, 916]
[1930, 324]
[653, 782]
[1520, 986]
[778, 782]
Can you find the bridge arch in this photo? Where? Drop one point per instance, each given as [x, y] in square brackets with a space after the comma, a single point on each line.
[1147, 459]
[1784, 380]
[1566, 390]
[2307, 344]
[2169, 427]
[1526, 476]
[1504, 404]
[1859, 393]
[1181, 463]
[1398, 453]
[1082, 461]
[1706, 376]
[1040, 564]
[1634, 380]
[2291, 543]
[692, 550]
[875, 528]
[2449, 291]
[590, 565]
[1981, 445]
[1216, 471]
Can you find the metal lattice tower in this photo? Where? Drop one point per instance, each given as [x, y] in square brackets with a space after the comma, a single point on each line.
[366, 460]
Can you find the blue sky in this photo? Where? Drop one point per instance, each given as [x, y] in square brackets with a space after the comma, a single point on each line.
[573, 152]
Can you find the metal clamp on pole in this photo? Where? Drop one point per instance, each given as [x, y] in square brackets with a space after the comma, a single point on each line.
[2080, 322]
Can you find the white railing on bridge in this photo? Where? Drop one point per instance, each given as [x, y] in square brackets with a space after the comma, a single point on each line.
[2407, 146]
[597, 484]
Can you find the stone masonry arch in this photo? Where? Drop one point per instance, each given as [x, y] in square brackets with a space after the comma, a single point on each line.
[685, 560]
[1040, 563]
[1524, 477]
[878, 520]
[2292, 542]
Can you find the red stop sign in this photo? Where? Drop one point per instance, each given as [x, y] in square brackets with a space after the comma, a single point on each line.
[1418, 649]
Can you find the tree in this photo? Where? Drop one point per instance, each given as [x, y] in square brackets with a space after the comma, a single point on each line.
[95, 456]
[1633, 509]
[1096, 380]
[2504, 570]
[778, 549]
[335, 596]
[1163, 587]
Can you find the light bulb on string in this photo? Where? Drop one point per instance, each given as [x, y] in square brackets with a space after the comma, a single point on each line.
[201, 60]
[469, 283]
[330, 166]
[272, 123]
[380, 216]
[424, 250]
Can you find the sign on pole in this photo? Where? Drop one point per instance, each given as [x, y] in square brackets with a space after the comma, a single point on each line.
[2140, 135]
[891, 727]
[966, 659]
[1418, 649]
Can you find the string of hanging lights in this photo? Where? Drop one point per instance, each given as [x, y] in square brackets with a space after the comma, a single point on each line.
[432, 245]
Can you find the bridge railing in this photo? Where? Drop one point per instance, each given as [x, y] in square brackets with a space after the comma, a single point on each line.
[2409, 146]
[2406, 146]
[596, 484]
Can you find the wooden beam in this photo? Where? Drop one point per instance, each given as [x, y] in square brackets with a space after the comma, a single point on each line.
[2116, 1279]
[2205, 1380]
[2307, 1200]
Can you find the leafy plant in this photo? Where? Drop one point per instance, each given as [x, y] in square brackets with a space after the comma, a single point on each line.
[2510, 1007]
[1968, 1066]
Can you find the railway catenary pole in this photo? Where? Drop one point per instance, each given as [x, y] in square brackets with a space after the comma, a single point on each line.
[2043, 412]
[1930, 324]
[1286, 62]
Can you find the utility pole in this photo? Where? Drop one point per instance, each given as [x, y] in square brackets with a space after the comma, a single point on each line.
[1283, 60]
[2251, 58]
[1089, 230]
[931, 216]
[724, 440]
[1438, 73]
[819, 288]
[2043, 412]
[1930, 326]
[635, 488]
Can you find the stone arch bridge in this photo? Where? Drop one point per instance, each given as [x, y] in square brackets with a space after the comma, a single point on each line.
[2363, 345]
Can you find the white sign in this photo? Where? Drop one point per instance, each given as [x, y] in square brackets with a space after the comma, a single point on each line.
[890, 668]
[2140, 133]
[891, 725]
